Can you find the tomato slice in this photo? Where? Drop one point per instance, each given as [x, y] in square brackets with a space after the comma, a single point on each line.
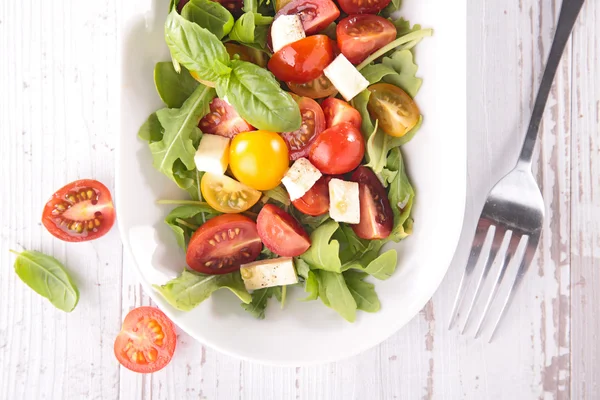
[394, 108]
[359, 36]
[281, 233]
[315, 202]
[316, 15]
[376, 216]
[363, 6]
[303, 60]
[147, 340]
[338, 150]
[337, 111]
[313, 123]
[223, 120]
[82, 210]
[222, 244]
[315, 89]
[227, 195]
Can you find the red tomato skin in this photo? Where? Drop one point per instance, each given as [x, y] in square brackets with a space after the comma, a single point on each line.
[223, 120]
[337, 111]
[363, 7]
[315, 202]
[338, 150]
[281, 233]
[376, 216]
[359, 36]
[302, 61]
[316, 15]
[204, 246]
[313, 123]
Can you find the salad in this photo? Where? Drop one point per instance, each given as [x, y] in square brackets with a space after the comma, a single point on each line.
[284, 122]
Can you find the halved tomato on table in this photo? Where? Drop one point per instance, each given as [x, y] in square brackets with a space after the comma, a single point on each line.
[227, 195]
[222, 244]
[338, 150]
[337, 111]
[281, 233]
[147, 340]
[376, 216]
[315, 202]
[80, 211]
[315, 89]
[363, 6]
[359, 36]
[303, 60]
[223, 120]
[316, 15]
[395, 110]
[313, 123]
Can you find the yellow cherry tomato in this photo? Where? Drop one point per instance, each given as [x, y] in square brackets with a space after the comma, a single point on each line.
[259, 159]
[227, 195]
[395, 110]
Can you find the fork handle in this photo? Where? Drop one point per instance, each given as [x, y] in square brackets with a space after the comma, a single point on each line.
[568, 15]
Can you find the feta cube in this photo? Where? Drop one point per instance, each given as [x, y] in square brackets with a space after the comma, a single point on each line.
[345, 77]
[286, 29]
[344, 202]
[267, 273]
[300, 178]
[212, 154]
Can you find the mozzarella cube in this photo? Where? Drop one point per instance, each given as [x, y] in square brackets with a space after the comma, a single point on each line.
[345, 77]
[286, 29]
[212, 154]
[267, 273]
[344, 202]
[300, 178]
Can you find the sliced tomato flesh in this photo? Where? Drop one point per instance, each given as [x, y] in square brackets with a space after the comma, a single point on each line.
[313, 123]
[281, 233]
[223, 120]
[316, 15]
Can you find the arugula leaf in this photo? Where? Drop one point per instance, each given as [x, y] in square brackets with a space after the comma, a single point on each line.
[258, 98]
[260, 299]
[196, 48]
[391, 8]
[173, 155]
[279, 194]
[403, 27]
[311, 286]
[407, 41]
[309, 222]
[405, 77]
[402, 195]
[184, 220]
[151, 131]
[338, 295]
[375, 72]
[383, 266]
[324, 252]
[330, 31]
[190, 289]
[267, 254]
[251, 29]
[209, 15]
[302, 268]
[362, 292]
[173, 88]
[48, 278]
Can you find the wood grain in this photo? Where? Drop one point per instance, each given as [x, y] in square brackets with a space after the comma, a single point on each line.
[58, 122]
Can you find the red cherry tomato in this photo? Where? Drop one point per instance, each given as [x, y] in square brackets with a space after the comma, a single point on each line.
[222, 244]
[376, 216]
[313, 123]
[315, 202]
[362, 6]
[338, 150]
[281, 233]
[83, 210]
[223, 120]
[302, 61]
[361, 35]
[316, 15]
[315, 89]
[337, 111]
[147, 340]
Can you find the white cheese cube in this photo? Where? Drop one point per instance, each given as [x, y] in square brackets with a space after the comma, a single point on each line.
[268, 273]
[300, 178]
[212, 154]
[286, 29]
[345, 77]
[344, 202]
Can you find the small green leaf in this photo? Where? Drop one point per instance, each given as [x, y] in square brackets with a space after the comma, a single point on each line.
[279, 194]
[209, 15]
[375, 72]
[405, 72]
[302, 268]
[260, 299]
[182, 232]
[311, 287]
[383, 266]
[251, 29]
[151, 131]
[172, 87]
[324, 253]
[401, 195]
[363, 292]
[338, 295]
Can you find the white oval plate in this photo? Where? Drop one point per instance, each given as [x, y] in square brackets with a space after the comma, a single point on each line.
[304, 332]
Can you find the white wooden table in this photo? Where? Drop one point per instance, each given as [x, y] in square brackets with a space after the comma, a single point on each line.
[58, 122]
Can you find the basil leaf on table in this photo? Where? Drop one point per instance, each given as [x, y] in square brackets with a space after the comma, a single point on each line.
[209, 15]
[363, 292]
[338, 295]
[190, 289]
[48, 278]
[402, 195]
[184, 220]
[258, 98]
[196, 48]
[251, 29]
[324, 252]
[260, 299]
[173, 88]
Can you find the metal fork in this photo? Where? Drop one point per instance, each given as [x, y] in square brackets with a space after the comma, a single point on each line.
[514, 209]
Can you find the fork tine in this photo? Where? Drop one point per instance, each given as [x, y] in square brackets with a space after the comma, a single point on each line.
[530, 250]
[481, 234]
[488, 260]
[513, 245]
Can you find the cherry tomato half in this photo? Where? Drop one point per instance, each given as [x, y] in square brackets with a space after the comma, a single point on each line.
[376, 217]
[147, 340]
[359, 36]
[223, 120]
[222, 244]
[316, 15]
[303, 60]
[337, 111]
[313, 123]
[315, 202]
[394, 108]
[83, 210]
[227, 195]
[281, 233]
[338, 150]
[315, 89]
[363, 6]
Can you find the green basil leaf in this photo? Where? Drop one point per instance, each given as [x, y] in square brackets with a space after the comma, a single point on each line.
[402, 195]
[259, 99]
[362, 292]
[190, 289]
[194, 47]
[251, 29]
[152, 130]
[173, 88]
[209, 15]
[338, 295]
[260, 299]
[250, 6]
[375, 72]
[324, 252]
[401, 62]
[48, 278]
[184, 220]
